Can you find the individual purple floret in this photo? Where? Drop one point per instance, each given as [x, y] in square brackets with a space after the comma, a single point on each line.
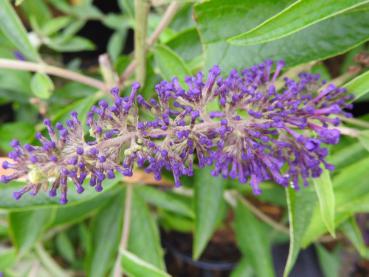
[257, 132]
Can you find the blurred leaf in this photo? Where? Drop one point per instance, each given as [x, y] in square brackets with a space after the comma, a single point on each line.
[174, 221]
[13, 29]
[294, 18]
[79, 211]
[127, 6]
[73, 44]
[345, 31]
[37, 9]
[81, 107]
[23, 131]
[8, 257]
[352, 231]
[329, 262]
[186, 44]
[324, 190]
[55, 25]
[359, 86]
[41, 85]
[170, 64]
[65, 247]
[364, 139]
[300, 206]
[349, 186]
[134, 266]
[243, 269]
[118, 22]
[218, 19]
[348, 155]
[43, 200]
[252, 238]
[106, 231]
[144, 239]
[167, 200]
[18, 2]
[26, 227]
[209, 204]
[116, 44]
[184, 18]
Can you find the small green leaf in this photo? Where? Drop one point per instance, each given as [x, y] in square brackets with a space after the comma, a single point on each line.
[186, 44]
[65, 247]
[55, 25]
[116, 43]
[252, 238]
[352, 231]
[209, 205]
[107, 226]
[329, 262]
[134, 266]
[42, 86]
[294, 18]
[167, 200]
[144, 240]
[23, 131]
[73, 44]
[13, 29]
[300, 206]
[359, 86]
[26, 227]
[324, 190]
[170, 64]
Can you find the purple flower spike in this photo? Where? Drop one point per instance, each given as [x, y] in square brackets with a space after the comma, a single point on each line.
[260, 133]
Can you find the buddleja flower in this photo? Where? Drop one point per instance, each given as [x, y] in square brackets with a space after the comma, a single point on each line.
[256, 132]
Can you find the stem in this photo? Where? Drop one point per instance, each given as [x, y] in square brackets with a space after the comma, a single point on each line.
[349, 131]
[48, 262]
[166, 19]
[142, 10]
[118, 271]
[354, 121]
[52, 70]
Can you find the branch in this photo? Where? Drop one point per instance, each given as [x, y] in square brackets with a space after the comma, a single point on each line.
[125, 230]
[52, 70]
[166, 19]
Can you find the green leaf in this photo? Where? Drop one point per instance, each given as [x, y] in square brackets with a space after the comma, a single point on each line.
[26, 227]
[43, 200]
[80, 211]
[252, 238]
[106, 231]
[346, 31]
[42, 86]
[218, 20]
[144, 239]
[65, 247]
[186, 44]
[134, 266]
[364, 139]
[8, 257]
[55, 25]
[359, 86]
[243, 269]
[329, 262]
[116, 43]
[170, 64]
[209, 206]
[352, 231]
[13, 29]
[167, 200]
[300, 206]
[37, 9]
[324, 190]
[294, 18]
[73, 44]
[23, 131]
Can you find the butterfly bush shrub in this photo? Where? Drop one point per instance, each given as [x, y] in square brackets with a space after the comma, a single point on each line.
[116, 163]
[259, 133]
